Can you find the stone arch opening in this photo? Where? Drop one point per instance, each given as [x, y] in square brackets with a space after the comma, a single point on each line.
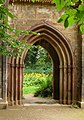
[63, 65]
[55, 64]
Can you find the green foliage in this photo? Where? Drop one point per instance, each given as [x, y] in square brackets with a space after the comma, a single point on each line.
[29, 89]
[35, 1]
[45, 88]
[59, 4]
[8, 42]
[34, 82]
[34, 79]
[9, 45]
[38, 60]
[38, 70]
[73, 12]
[31, 56]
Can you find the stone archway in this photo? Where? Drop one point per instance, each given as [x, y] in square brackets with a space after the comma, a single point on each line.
[55, 64]
[59, 48]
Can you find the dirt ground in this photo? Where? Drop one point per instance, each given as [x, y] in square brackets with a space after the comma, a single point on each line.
[41, 111]
[30, 99]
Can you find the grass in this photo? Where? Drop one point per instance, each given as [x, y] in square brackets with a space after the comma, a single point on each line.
[29, 89]
[37, 84]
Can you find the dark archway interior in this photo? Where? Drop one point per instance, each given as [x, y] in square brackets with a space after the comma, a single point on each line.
[56, 63]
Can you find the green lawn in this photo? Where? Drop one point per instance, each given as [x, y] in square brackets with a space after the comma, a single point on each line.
[29, 89]
[37, 84]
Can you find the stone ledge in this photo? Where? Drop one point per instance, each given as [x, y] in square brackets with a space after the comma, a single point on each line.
[3, 105]
[80, 104]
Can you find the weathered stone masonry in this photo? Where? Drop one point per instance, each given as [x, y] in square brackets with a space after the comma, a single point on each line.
[3, 82]
[66, 44]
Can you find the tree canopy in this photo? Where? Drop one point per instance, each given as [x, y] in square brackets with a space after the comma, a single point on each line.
[38, 60]
[9, 45]
[73, 12]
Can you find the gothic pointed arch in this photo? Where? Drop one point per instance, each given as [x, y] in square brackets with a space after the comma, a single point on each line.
[59, 48]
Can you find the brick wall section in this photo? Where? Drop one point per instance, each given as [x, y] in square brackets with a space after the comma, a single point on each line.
[31, 14]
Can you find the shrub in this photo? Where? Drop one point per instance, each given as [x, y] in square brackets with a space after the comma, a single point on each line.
[45, 88]
[34, 79]
[41, 83]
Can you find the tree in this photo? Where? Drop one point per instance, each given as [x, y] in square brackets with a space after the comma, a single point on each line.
[9, 45]
[38, 60]
[31, 57]
[73, 12]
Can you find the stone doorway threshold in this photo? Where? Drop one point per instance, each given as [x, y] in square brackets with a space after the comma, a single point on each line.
[29, 99]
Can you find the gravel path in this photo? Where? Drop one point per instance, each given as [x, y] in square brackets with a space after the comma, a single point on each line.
[42, 112]
[30, 99]
[30, 110]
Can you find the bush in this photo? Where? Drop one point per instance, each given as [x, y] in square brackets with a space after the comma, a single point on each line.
[33, 79]
[45, 89]
[41, 83]
[42, 69]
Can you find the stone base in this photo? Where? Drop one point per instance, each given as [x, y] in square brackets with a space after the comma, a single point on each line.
[3, 105]
[80, 104]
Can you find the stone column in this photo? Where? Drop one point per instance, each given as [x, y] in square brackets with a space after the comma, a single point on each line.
[3, 82]
[82, 99]
[0, 76]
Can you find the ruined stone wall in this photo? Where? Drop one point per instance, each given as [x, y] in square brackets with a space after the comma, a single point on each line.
[30, 14]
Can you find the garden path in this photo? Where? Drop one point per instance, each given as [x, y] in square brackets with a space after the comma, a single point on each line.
[30, 99]
[42, 111]
[31, 110]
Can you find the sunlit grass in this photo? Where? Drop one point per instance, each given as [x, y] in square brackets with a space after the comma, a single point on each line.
[35, 81]
[30, 89]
